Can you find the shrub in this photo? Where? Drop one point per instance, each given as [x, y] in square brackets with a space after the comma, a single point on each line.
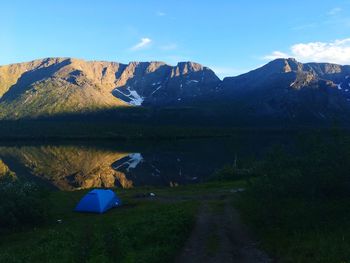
[298, 203]
[21, 204]
[244, 169]
[317, 168]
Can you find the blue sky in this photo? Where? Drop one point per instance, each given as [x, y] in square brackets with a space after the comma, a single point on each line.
[229, 36]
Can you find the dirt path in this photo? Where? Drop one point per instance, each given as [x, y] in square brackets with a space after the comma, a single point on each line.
[220, 236]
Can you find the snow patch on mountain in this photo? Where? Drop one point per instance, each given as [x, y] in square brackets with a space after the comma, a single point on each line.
[156, 90]
[134, 98]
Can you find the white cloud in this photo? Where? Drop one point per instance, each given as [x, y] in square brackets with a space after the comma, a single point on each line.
[276, 54]
[159, 13]
[144, 42]
[170, 46]
[334, 11]
[337, 51]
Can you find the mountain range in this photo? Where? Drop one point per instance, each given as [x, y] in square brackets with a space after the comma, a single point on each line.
[282, 90]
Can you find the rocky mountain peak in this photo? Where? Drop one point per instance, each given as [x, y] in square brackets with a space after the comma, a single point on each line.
[323, 69]
[62, 85]
[186, 67]
[154, 66]
[67, 85]
[283, 65]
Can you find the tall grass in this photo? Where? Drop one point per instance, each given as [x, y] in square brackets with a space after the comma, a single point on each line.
[22, 204]
[299, 203]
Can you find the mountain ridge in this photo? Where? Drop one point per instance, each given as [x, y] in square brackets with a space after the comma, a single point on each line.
[63, 85]
[283, 89]
[290, 90]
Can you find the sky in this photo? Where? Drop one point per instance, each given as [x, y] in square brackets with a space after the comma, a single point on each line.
[231, 37]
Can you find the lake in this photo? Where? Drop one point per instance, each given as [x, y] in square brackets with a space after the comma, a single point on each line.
[81, 165]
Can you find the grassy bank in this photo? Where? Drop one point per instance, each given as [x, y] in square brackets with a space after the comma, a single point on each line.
[144, 229]
[102, 129]
[298, 230]
[298, 202]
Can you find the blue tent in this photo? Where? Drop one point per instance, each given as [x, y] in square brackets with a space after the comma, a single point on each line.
[98, 201]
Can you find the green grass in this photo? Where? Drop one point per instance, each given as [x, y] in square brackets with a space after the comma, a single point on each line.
[141, 127]
[297, 230]
[142, 230]
[154, 230]
[104, 130]
[298, 203]
[139, 231]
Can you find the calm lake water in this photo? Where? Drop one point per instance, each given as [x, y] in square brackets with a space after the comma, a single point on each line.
[71, 166]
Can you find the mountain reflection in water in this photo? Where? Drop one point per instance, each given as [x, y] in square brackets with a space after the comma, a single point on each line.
[66, 167]
[72, 167]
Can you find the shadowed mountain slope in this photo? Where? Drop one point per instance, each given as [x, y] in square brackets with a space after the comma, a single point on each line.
[64, 85]
[284, 90]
